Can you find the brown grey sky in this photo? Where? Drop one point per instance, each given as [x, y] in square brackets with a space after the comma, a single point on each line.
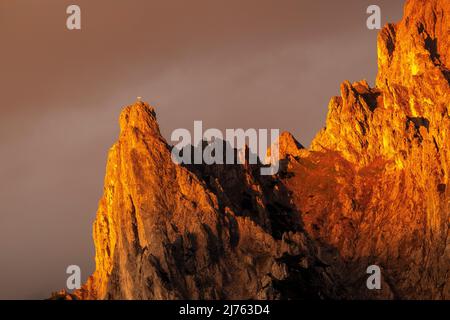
[234, 63]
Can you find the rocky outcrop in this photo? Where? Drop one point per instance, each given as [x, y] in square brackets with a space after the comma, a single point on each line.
[372, 189]
[391, 157]
[162, 232]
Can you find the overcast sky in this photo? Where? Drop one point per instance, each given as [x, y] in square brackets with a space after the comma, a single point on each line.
[234, 63]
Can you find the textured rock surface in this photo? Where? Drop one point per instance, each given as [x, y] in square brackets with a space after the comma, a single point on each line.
[389, 147]
[162, 233]
[373, 189]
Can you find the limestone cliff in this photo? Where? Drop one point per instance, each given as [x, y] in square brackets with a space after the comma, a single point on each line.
[373, 189]
[390, 154]
[165, 232]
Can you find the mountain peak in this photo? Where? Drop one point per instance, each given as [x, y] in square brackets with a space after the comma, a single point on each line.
[139, 116]
[287, 146]
[372, 190]
[416, 47]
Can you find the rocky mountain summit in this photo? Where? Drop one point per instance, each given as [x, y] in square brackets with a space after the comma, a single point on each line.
[373, 189]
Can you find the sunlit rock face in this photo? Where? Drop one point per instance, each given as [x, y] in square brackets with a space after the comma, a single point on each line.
[391, 170]
[165, 232]
[373, 189]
